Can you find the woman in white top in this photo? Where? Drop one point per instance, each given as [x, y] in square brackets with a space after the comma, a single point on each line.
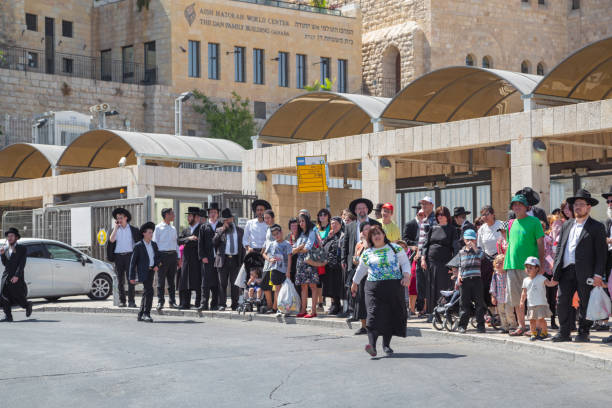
[488, 234]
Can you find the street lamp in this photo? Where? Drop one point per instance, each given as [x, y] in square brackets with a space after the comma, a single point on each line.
[178, 112]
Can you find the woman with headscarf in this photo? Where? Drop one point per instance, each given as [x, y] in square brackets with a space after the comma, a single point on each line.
[306, 275]
[333, 280]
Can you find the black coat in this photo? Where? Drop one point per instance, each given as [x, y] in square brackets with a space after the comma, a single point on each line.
[351, 237]
[206, 250]
[14, 267]
[139, 263]
[591, 251]
[411, 233]
[191, 272]
[219, 242]
[110, 248]
[609, 263]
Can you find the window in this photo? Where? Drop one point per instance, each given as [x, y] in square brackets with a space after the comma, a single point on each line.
[67, 65]
[66, 28]
[194, 59]
[258, 66]
[300, 66]
[32, 59]
[283, 69]
[36, 251]
[62, 253]
[31, 22]
[239, 63]
[127, 58]
[542, 2]
[213, 61]
[575, 4]
[259, 109]
[486, 62]
[150, 60]
[106, 65]
[469, 60]
[342, 76]
[191, 132]
[325, 69]
[540, 69]
[525, 67]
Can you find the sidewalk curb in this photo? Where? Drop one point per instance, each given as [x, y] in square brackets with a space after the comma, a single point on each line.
[538, 348]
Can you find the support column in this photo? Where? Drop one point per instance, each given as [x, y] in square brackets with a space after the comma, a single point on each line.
[378, 183]
[256, 142]
[500, 181]
[377, 125]
[529, 168]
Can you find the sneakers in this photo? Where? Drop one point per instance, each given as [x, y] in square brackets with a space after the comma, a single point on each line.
[388, 350]
[370, 350]
[534, 336]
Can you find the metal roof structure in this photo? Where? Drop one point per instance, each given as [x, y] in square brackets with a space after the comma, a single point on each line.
[103, 148]
[28, 160]
[457, 93]
[586, 75]
[322, 115]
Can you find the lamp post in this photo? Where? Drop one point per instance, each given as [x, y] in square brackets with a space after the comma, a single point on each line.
[178, 112]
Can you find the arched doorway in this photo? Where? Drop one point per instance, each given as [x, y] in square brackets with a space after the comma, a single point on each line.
[391, 80]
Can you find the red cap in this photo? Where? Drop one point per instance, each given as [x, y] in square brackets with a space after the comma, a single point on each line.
[388, 206]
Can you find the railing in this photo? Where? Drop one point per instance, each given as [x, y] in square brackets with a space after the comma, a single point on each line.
[15, 129]
[384, 87]
[295, 6]
[80, 66]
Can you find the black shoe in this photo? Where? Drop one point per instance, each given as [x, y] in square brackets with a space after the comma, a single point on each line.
[197, 305]
[362, 330]
[122, 304]
[7, 319]
[29, 309]
[342, 315]
[429, 318]
[388, 350]
[561, 339]
[461, 330]
[582, 338]
[553, 324]
[184, 307]
[172, 304]
[160, 306]
[147, 319]
[221, 308]
[139, 318]
[601, 327]
[607, 340]
[481, 330]
[234, 307]
[334, 310]
[132, 304]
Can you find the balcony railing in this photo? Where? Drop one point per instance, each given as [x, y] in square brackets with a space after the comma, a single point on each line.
[80, 66]
[295, 6]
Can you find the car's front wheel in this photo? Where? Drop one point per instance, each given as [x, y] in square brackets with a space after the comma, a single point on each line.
[101, 287]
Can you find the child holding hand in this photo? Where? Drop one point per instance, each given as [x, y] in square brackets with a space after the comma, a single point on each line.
[534, 291]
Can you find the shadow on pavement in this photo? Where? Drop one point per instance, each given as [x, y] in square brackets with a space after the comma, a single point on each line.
[177, 322]
[36, 321]
[423, 355]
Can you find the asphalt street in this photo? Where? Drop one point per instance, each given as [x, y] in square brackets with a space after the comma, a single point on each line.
[102, 360]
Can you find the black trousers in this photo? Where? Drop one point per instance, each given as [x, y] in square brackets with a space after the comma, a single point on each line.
[210, 292]
[166, 272]
[122, 268]
[147, 295]
[10, 295]
[422, 283]
[229, 270]
[568, 284]
[471, 291]
[551, 297]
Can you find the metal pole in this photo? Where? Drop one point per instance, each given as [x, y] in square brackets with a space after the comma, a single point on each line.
[327, 203]
[176, 117]
[180, 118]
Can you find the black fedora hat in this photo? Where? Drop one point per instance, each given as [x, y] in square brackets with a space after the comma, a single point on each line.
[259, 202]
[193, 210]
[203, 213]
[365, 201]
[13, 230]
[608, 194]
[121, 210]
[532, 196]
[213, 206]
[584, 195]
[460, 211]
[227, 213]
[147, 225]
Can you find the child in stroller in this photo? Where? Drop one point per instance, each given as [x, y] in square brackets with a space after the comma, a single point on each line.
[251, 298]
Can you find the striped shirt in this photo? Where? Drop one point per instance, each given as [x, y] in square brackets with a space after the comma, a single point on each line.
[468, 262]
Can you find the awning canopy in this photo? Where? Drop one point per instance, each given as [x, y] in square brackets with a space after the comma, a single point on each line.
[586, 75]
[322, 115]
[28, 160]
[104, 148]
[457, 93]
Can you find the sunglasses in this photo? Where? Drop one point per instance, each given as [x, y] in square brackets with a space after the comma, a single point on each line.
[609, 201]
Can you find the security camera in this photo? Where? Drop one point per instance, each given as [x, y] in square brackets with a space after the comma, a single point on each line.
[122, 162]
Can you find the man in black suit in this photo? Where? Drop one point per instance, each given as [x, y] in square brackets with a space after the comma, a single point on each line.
[608, 225]
[229, 256]
[462, 223]
[581, 255]
[13, 289]
[361, 207]
[206, 253]
[191, 272]
[144, 264]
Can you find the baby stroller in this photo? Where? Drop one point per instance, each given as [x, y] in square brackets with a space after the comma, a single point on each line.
[446, 313]
[252, 261]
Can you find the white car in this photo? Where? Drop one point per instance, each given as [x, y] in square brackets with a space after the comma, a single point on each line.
[54, 269]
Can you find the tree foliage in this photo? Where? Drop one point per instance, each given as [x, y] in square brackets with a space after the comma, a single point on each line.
[231, 120]
[319, 3]
[318, 86]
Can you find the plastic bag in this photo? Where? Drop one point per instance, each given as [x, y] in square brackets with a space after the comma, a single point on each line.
[288, 298]
[241, 278]
[599, 305]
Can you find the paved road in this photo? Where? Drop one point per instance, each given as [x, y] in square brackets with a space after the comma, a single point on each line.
[101, 360]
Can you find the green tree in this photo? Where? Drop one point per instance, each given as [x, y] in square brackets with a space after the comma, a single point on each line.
[231, 120]
[319, 3]
[317, 86]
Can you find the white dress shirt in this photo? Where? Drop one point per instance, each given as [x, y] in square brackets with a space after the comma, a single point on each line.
[150, 252]
[255, 234]
[232, 236]
[569, 255]
[193, 227]
[488, 236]
[124, 240]
[214, 224]
[166, 238]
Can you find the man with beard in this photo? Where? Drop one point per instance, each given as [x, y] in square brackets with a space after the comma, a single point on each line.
[191, 274]
[13, 289]
[608, 225]
[229, 256]
[206, 253]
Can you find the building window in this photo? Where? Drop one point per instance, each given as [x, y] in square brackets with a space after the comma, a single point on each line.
[525, 67]
[300, 68]
[66, 28]
[575, 4]
[150, 60]
[191, 132]
[259, 110]
[127, 62]
[239, 64]
[542, 2]
[32, 59]
[342, 76]
[213, 61]
[31, 22]
[486, 62]
[283, 69]
[67, 65]
[469, 60]
[258, 66]
[325, 69]
[540, 69]
[193, 59]
[106, 65]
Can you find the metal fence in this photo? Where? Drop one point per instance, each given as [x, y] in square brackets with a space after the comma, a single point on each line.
[15, 129]
[239, 204]
[80, 66]
[295, 5]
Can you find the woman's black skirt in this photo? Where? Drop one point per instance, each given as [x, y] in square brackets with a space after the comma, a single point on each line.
[333, 282]
[361, 309]
[386, 306]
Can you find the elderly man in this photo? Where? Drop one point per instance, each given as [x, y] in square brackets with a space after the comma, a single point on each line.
[13, 289]
[581, 257]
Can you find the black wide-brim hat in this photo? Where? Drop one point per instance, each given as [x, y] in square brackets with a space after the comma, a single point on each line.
[227, 213]
[532, 196]
[121, 210]
[460, 211]
[203, 213]
[213, 206]
[146, 226]
[367, 202]
[257, 203]
[193, 210]
[608, 194]
[584, 195]
[13, 230]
